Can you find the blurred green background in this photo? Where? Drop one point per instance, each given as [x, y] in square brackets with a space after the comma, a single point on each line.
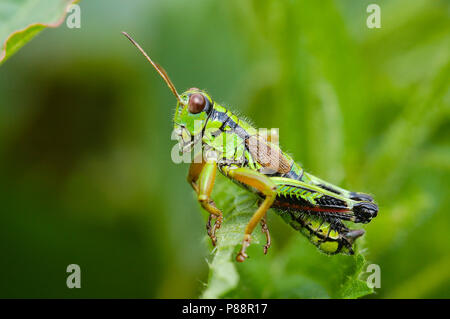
[85, 125]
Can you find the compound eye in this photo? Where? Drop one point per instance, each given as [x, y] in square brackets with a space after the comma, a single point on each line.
[197, 103]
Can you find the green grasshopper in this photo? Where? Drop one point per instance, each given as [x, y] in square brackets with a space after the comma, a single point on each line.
[310, 205]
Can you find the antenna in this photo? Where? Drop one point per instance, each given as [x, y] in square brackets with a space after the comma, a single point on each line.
[158, 68]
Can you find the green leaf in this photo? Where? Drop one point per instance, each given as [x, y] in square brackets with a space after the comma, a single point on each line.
[21, 20]
[292, 269]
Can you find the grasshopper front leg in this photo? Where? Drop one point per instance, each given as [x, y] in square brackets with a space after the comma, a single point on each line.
[201, 177]
[265, 186]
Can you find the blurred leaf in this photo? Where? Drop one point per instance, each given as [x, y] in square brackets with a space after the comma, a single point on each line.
[21, 20]
[297, 271]
[438, 273]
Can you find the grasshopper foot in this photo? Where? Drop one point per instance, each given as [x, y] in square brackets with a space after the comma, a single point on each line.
[265, 230]
[209, 229]
[241, 257]
[212, 230]
[245, 243]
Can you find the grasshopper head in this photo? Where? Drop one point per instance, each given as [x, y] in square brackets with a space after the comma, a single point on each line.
[191, 114]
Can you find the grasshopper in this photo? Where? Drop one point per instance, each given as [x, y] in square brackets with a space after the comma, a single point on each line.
[310, 205]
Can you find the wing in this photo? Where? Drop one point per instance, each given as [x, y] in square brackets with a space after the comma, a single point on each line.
[268, 155]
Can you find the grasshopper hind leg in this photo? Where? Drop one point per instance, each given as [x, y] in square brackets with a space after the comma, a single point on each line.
[356, 196]
[361, 197]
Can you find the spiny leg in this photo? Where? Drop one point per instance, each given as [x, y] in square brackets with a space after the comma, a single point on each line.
[325, 202]
[264, 185]
[201, 177]
[209, 229]
[265, 231]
